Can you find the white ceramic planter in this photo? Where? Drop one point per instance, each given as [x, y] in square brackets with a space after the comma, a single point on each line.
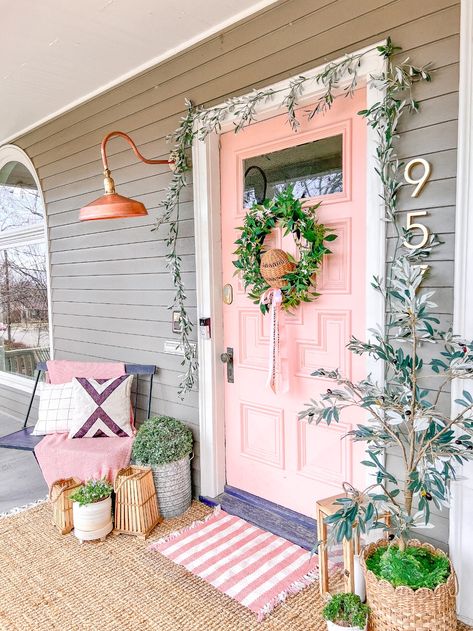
[331, 626]
[92, 521]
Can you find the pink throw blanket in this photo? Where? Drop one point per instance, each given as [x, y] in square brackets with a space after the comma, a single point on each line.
[62, 457]
[63, 371]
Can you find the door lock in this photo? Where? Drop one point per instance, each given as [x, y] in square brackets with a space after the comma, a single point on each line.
[227, 358]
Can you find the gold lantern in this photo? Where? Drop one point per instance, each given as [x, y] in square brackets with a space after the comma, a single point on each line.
[325, 508]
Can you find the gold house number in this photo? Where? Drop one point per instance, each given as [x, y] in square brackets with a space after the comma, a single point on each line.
[419, 185]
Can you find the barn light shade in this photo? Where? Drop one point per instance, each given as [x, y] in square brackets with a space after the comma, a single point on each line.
[112, 205]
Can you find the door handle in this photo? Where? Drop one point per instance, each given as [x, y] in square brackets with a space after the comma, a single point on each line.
[227, 358]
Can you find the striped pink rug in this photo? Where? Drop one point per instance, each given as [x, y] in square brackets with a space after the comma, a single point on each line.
[255, 567]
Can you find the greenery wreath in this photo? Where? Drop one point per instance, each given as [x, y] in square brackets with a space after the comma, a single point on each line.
[310, 237]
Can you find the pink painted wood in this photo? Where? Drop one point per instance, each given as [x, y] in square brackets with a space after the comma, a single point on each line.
[269, 452]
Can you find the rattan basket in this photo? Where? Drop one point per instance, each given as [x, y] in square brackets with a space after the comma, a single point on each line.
[173, 487]
[136, 505]
[59, 494]
[402, 608]
[274, 265]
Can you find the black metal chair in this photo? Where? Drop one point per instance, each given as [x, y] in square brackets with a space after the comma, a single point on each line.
[25, 441]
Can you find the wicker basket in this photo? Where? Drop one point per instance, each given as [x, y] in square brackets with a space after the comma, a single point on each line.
[59, 495]
[402, 608]
[275, 264]
[136, 506]
[173, 487]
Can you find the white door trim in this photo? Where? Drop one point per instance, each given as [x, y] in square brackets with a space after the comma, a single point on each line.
[461, 512]
[206, 174]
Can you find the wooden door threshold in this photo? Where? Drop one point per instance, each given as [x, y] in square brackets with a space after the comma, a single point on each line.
[281, 521]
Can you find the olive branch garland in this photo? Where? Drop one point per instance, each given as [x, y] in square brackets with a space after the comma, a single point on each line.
[198, 122]
[404, 413]
[287, 212]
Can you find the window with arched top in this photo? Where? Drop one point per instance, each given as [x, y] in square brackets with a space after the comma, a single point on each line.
[24, 269]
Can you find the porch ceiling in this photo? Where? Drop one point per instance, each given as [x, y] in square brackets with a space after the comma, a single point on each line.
[56, 54]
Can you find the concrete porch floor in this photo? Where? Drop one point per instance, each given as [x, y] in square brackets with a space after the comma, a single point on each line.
[21, 481]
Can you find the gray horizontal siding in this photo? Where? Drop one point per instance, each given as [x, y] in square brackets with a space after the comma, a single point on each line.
[110, 288]
[14, 403]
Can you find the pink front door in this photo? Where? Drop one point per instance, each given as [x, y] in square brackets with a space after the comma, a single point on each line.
[269, 452]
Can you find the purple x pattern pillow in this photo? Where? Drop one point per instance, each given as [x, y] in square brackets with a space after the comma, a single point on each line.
[101, 407]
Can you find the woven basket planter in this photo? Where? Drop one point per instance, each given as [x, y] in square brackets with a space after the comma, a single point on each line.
[173, 487]
[402, 608]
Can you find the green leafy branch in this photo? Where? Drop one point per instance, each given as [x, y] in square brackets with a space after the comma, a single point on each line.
[196, 124]
[404, 412]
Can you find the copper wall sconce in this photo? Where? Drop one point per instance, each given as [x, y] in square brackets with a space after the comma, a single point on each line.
[112, 205]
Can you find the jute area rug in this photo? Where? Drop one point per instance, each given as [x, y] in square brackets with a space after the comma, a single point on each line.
[49, 582]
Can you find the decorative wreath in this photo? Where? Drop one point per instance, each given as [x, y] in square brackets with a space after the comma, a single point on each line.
[310, 237]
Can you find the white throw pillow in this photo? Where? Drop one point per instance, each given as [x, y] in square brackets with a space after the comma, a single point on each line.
[101, 407]
[55, 409]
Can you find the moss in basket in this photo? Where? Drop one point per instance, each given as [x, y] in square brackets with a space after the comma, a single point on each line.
[91, 492]
[160, 440]
[346, 610]
[413, 567]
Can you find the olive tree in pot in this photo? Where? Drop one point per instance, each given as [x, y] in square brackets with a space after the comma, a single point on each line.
[346, 611]
[408, 584]
[92, 510]
[404, 413]
[165, 444]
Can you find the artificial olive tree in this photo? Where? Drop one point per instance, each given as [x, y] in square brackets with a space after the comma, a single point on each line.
[403, 413]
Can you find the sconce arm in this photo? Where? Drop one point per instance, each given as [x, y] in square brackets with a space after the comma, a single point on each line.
[121, 134]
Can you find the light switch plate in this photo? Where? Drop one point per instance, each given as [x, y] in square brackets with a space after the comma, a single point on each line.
[176, 322]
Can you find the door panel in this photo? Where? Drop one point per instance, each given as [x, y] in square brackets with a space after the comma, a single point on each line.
[269, 452]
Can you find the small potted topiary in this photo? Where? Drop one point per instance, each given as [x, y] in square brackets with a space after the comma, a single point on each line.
[92, 510]
[346, 611]
[165, 444]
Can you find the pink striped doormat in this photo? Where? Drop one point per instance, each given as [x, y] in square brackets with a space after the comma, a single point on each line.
[255, 567]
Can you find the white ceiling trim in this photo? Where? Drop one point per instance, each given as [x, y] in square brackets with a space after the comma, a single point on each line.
[220, 26]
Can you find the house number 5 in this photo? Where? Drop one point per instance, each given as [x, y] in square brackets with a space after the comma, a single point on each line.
[420, 183]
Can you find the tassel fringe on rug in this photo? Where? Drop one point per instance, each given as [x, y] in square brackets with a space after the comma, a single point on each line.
[25, 507]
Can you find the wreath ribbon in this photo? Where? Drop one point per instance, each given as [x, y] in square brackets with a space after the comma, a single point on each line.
[277, 368]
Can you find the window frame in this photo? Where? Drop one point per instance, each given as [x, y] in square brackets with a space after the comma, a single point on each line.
[27, 236]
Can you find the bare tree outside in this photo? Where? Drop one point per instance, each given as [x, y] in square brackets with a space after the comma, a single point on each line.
[23, 283]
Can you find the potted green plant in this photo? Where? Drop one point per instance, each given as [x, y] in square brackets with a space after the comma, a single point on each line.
[345, 611]
[165, 444]
[92, 510]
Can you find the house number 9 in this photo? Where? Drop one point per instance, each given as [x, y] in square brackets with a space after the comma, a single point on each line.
[420, 183]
